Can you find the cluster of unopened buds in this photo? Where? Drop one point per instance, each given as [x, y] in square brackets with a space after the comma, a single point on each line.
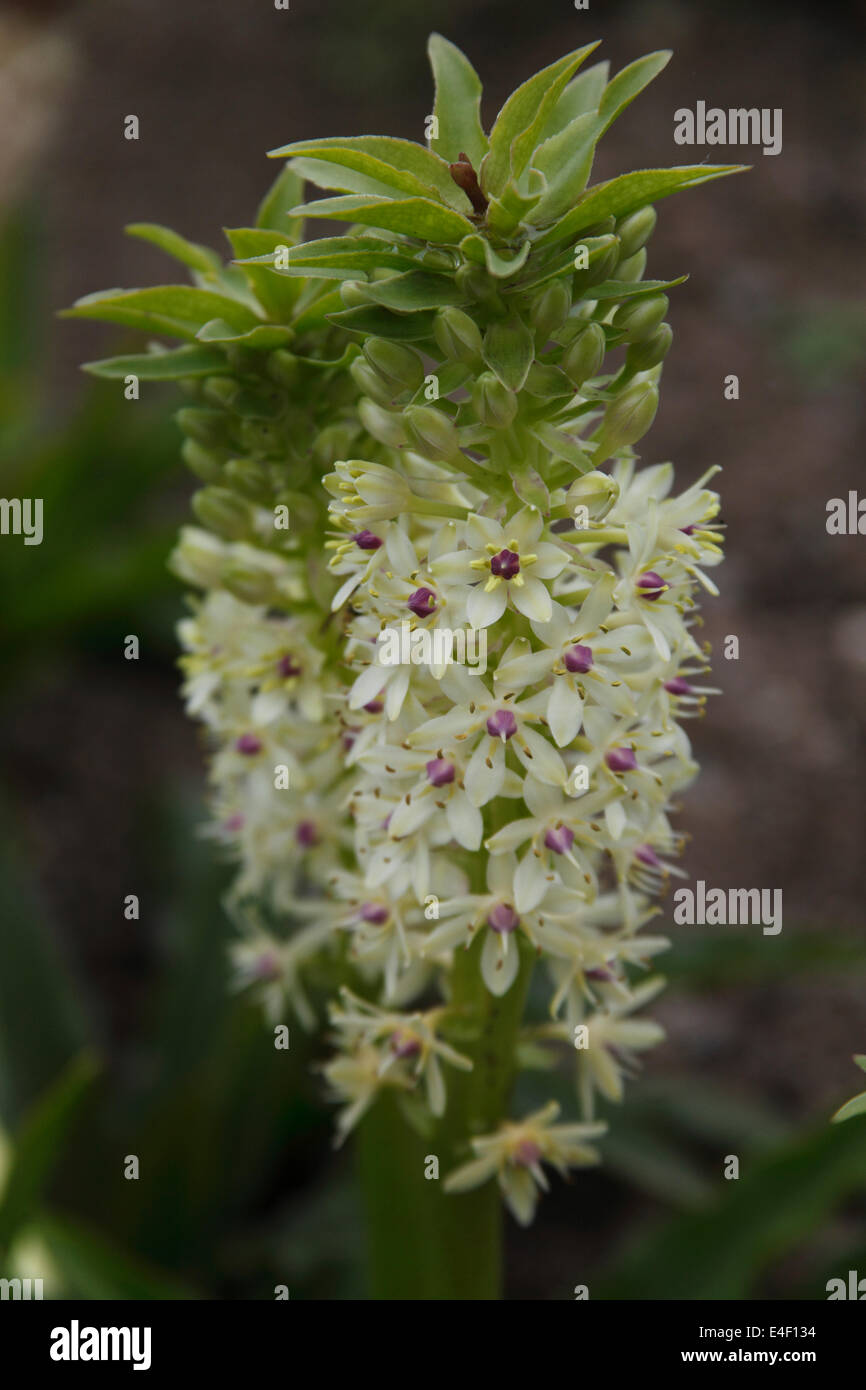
[447, 634]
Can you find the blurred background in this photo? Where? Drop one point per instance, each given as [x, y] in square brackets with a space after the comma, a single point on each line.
[120, 1037]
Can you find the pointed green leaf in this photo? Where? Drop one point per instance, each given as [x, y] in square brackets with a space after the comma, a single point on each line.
[176, 310]
[187, 252]
[509, 350]
[284, 194]
[414, 217]
[478, 249]
[581, 97]
[385, 163]
[419, 289]
[856, 1106]
[563, 446]
[457, 103]
[376, 320]
[860, 1059]
[565, 160]
[622, 289]
[630, 192]
[276, 293]
[160, 366]
[519, 124]
[264, 335]
[628, 84]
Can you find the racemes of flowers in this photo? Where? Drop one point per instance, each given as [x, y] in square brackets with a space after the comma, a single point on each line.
[419, 437]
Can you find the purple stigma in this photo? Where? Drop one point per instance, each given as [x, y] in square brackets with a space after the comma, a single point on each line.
[404, 1045]
[503, 918]
[374, 707]
[506, 564]
[422, 602]
[560, 839]
[248, 744]
[688, 530]
[235, 822]
[288, 667]
[647, 855]
[578, 659]
[375, 913]
[440, 771]
[620, 759]
[307, 834]
[678, 686]
[502, 724]
[267, 967]
[652, 584]
[366, 540]
[527, 1153]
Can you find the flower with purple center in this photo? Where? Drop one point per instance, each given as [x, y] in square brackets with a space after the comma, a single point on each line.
[366, 540]
[502, 724]
[651, 585]
[248, 745]
[620, 759]
[503, 919]
[506, 564]
[422, 602]
[440, 771]
[578, 659]
[559, 838]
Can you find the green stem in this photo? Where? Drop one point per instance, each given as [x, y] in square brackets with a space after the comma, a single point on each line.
[424, 1243]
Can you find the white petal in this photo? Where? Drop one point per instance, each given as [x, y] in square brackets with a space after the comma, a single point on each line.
[500, 960]
[544, 762]
[532, 600]
[564, 712]
[464, 821]
[530, 882]
[486, 606]
[482, 782]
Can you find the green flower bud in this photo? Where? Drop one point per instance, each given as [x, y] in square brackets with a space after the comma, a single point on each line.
[259, 437]
[431, 432]
[333, 442]
[649, 351]
[583, 357]
[398, 366]
[353, 294]
[639, 318]
[221, 390]
[458, 336]
[283, 368]
[250, 585]
[222, 511]
[595, 493]
[471, 280]
[603, 268]
[382, 424]
[370, 382]
[492, 402]
[198, 558]
[550, 309]
[627, 419]
[632, 269]
[205, 426]
[206, 464]
[250, 479]
[635, 230]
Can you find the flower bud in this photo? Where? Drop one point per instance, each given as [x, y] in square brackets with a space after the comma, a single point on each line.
[249, 584]
[370, 382]
[283, 368]
[632, 269]
[639, 318]
[222, 511]
[595, 491]
[492, 401]
[649, 351]
[550, 309]
[396, 365]
[198, 558]
[457, 335]
[206, 464]
[249, 478]
[635, 230]
[431, 432]
[583, 357]
[210, 427]
[333, 442]
[221, 391]
[353, 294]
[627, 419]
[382, 424]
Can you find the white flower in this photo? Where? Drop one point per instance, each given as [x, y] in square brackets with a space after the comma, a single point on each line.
[504, 563]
